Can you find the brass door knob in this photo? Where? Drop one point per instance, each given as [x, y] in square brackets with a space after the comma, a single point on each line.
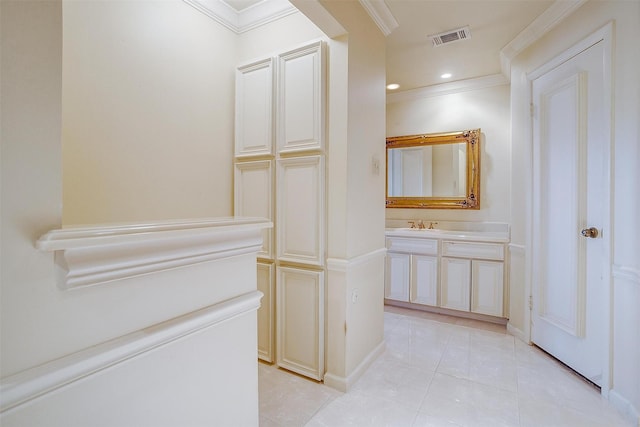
[590, 232]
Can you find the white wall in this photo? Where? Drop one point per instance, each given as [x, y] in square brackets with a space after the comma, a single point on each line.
[148, 95]
[625, 387]
[487, 109]
[41, 324]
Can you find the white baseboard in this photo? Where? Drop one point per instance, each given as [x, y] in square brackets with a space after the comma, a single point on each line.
[343, 384]
[343, 265]
[625, 407]
[518, 333]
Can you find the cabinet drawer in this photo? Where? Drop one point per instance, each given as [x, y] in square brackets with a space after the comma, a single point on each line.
[414, 246]
[473, 250]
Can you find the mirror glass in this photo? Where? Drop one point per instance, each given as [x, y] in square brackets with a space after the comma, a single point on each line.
[428, 171]
[434, 170]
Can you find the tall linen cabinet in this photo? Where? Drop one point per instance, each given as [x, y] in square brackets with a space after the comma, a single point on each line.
[280, 175]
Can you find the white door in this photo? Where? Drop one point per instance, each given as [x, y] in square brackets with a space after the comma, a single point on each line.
[569, 164]
[456, 283]
[487, 287]
[300, 117]
[424, 279]
[397, 276]
[300, 321]
[300, 201]
[253, 196]
[266, 313]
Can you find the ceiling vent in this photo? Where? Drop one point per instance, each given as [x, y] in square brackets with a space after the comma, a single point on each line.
[450, 36]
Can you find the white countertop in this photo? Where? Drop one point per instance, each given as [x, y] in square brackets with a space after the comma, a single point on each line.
[475, 236]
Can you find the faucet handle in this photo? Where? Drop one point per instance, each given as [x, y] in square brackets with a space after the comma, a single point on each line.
[431, 224]
[413, 224]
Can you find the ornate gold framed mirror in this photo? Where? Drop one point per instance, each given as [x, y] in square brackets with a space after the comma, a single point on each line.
[434, 171]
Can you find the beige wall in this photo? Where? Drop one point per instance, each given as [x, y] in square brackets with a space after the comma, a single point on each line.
[165, 384]
[278, 36]
[148, 95]
[31, 176]
[625, 381]
[365, 136]
[487, 109]
[356, 194]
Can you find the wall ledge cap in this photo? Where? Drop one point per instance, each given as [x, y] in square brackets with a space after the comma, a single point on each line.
[91, 255]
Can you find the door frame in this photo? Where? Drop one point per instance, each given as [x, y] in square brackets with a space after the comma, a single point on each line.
[604, 35]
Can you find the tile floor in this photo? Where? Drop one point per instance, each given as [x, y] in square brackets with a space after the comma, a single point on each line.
[441, 371]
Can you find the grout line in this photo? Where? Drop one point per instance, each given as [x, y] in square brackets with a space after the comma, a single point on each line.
[326, 403]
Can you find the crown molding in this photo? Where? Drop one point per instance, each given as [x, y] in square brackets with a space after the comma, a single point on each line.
[448, 88]
[381, 15]
[547, 20]
[247, 19]
[321, 18]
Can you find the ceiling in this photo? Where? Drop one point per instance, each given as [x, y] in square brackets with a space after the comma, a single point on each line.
[413, 62]
[240, 5]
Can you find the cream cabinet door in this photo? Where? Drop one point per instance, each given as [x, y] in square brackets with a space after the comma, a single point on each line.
[253, 196]
[424, 280]
[266, 313]
[456, 281]
[487, 287]
[300, 210]
[300, 320]
[397, 276]
[254, 109]
[301, 99]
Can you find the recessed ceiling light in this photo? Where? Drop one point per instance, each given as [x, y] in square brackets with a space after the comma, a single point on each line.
[393, 86]
[445, 75]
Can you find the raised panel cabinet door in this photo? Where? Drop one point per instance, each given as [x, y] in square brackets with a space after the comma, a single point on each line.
[456, 283]
[424, 280]
[254, 109]
[266, 313]
[487, 287]
[301, 210]
[396, 285]
[301, 99]
[253, 196]
[300, 321]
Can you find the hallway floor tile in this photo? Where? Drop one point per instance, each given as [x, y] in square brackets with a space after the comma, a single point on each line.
[441, 371]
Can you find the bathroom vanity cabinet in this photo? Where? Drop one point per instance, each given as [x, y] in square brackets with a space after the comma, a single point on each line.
[412, 270]
[461, 271]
